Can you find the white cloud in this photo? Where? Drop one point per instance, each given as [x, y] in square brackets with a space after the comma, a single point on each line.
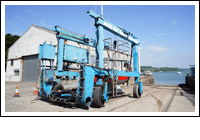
[17, 17]
[11, 22]
[161, 34]
[31, 12]
[158, 48]
[43, 23]
[175, 21]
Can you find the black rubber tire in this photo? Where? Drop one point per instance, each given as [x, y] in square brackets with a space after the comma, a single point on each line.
[136, 91]
[97, 97]
[58, 87]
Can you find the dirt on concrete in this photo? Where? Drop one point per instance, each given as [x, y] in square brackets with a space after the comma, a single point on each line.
[154, 99]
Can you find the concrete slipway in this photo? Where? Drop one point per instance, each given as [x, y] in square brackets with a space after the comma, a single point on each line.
[154, 99]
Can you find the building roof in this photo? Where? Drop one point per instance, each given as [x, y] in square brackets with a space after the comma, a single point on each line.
[38, 27]
[45, 29]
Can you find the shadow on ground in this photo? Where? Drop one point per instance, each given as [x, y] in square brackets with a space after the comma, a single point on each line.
[65, 105]
[188, 92]
[78, 106]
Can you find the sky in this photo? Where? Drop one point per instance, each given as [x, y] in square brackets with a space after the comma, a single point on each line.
[166, 32]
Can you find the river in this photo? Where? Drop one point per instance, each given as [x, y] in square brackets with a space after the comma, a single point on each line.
[170, 78]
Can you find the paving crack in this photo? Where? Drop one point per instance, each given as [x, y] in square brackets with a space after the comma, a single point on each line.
[131, 102]
[169, 103]
[159, 102]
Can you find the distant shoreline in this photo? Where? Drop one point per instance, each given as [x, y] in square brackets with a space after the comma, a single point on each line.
[161, 69]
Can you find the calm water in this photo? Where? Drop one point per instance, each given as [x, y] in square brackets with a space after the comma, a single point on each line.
[170, 78]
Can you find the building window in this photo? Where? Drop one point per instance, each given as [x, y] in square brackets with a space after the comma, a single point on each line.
[16, 72]
[11, 62]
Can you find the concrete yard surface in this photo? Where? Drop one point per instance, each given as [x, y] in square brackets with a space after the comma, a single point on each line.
[154, 99]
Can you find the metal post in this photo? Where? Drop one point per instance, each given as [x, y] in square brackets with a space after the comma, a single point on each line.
[60, 54]
[123, 53]
[121, 65]
[102, 11]
[113, 71]
[113, 83]
[108, 59]
[135, 58]
[99, 49]
[135, 61]
[139, 59]
[53, 66]
[116, 82]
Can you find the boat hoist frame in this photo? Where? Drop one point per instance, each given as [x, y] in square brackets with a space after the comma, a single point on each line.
[93, 81]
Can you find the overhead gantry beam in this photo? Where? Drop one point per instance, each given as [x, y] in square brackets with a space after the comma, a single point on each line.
[117, 30]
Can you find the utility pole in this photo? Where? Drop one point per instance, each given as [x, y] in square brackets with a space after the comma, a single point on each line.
[101, 10]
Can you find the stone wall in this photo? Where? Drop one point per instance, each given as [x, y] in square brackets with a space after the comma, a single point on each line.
[147, 80]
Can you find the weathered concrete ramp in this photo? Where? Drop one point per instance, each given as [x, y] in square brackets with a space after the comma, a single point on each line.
[159, 99]
[154, 99]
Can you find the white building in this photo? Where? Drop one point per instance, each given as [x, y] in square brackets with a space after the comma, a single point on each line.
[23, 54]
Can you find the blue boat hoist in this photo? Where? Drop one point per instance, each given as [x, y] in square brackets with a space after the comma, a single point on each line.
[73, 80]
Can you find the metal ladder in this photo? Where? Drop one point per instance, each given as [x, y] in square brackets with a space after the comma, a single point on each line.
[122, 48]
[82, 80]
[113, 62]
[114, 54]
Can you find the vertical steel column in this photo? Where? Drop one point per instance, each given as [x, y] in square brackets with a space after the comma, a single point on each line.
[135, 61]
[99, 49]
[135, 58]
[139, 59]
[53, 68]
[60, 54]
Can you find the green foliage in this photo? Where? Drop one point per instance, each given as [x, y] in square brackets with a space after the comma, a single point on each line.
[146, 67]
[155, 69]
[9, 41]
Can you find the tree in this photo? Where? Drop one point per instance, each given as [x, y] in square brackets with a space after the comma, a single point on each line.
[9, 41]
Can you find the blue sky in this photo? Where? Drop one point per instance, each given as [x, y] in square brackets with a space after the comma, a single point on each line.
[166, 32]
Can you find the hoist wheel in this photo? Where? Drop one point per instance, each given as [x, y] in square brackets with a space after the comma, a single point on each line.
[58, 87]
[136, 91]
[97, 97]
